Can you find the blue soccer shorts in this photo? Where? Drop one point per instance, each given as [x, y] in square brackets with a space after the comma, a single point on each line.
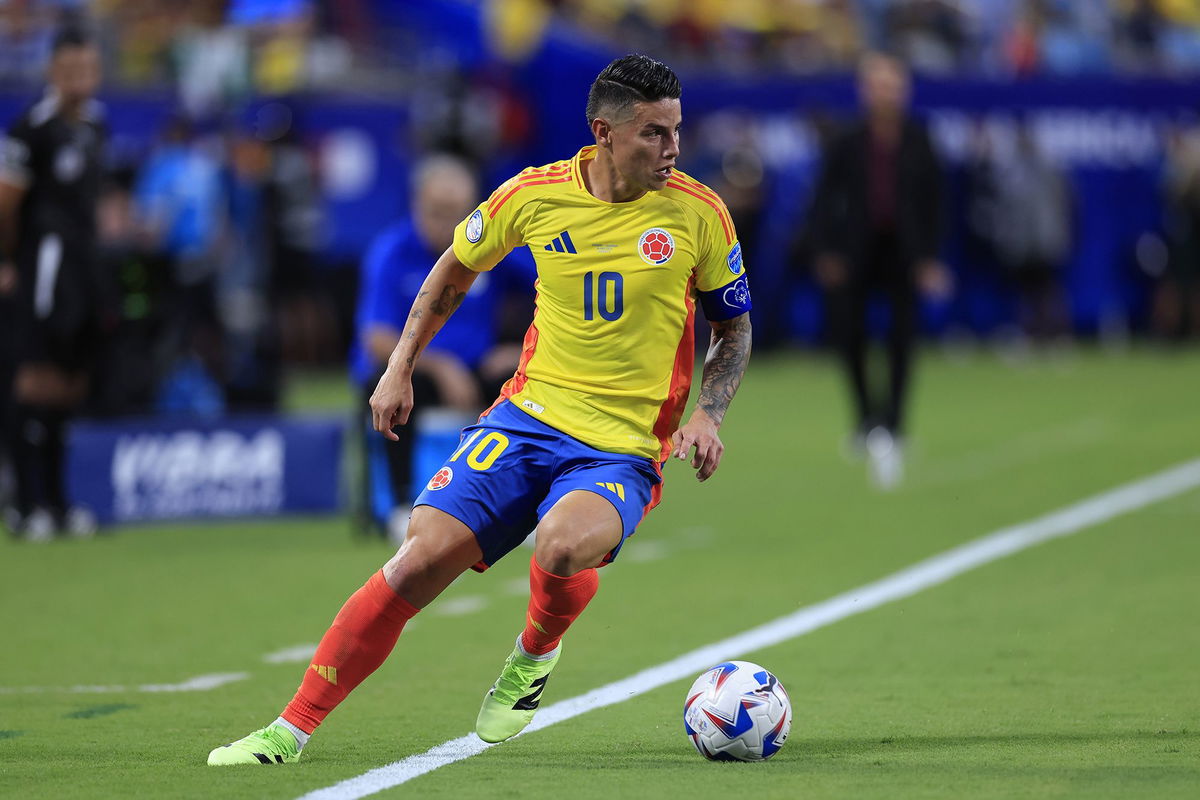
[510, 469]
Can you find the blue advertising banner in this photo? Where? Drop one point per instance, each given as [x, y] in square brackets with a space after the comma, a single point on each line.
[140, 470]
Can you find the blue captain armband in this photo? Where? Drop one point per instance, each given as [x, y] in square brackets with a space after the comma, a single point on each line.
[727, 302]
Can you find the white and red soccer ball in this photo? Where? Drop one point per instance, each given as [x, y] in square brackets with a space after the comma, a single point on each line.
[737, 711]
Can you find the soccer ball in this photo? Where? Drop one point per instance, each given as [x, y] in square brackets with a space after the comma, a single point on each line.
[737, 711]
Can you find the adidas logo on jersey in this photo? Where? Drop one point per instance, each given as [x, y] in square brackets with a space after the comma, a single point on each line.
[562, 244]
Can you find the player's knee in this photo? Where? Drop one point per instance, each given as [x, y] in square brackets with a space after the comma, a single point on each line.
[415, 573]
[558, 560]
[557, 553]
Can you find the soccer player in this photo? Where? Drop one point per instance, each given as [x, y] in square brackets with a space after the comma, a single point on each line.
[625, 246]
[50, 177]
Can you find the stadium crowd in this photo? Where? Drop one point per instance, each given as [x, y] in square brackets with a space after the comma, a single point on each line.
[993, 37]
[218, 51]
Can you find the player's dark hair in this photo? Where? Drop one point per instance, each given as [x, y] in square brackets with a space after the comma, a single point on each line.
[72, 34]
[630, 79]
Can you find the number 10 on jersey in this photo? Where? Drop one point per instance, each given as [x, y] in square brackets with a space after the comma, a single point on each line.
[603, 295]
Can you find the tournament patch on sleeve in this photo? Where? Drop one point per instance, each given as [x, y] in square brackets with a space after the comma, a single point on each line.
[474, 228]
[728, 301]
[734, 259]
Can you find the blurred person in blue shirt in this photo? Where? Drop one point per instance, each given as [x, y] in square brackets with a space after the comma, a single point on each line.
[472, 355]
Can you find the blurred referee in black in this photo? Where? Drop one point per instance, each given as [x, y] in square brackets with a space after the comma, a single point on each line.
[875, 229]
[50, 178]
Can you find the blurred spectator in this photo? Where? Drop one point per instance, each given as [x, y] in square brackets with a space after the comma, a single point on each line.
[929, 34]
[294, 224]
[179, 212]
[467, 362]
[211, 60]
[875, 226]
[26, 31]
[50, 177]
[1176, 312]
[267, 289]
[1030, 228]
[1140, 31]
[135, 279]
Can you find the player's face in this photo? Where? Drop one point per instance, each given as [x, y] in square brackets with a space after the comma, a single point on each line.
[645, 147]
[75, 73]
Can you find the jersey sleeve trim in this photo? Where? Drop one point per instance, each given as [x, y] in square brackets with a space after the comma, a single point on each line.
[525, 179]
[702, 192]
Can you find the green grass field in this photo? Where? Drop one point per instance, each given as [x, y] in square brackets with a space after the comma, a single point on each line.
[1071, 669]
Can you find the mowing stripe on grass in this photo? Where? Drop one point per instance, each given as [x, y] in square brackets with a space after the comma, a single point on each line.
[918, 577]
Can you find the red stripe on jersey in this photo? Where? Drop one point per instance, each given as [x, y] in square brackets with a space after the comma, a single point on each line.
[692, 183]
[517, 382]
[492, 210]
[525, 176]
[717, 205]
[504, 190]
[671, 410]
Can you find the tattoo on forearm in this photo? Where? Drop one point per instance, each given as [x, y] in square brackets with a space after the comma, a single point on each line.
[449, 300]
[724, 366]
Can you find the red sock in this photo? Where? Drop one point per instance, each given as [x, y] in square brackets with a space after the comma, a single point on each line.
[360, 638]
[554, 603]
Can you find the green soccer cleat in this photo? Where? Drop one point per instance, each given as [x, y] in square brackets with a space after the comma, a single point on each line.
[513, 699]
[273, 744]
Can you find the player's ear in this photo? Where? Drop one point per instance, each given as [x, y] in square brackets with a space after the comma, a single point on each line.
[602, 131]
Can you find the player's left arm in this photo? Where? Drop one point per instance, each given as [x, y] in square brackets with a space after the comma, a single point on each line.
[728, 354]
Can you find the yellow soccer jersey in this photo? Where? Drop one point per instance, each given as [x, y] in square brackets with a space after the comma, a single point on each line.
[608, 358]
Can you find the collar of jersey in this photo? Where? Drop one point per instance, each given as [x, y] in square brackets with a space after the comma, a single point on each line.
[587, 154]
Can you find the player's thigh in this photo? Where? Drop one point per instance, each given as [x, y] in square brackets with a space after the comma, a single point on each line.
[594, 504]
[437, 549]
[493, 483]
[578, 531]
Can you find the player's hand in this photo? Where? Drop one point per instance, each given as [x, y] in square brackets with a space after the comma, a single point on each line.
[699, 432]
[391, 402]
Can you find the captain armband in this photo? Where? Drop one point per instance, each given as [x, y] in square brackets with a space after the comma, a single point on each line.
[727, 302]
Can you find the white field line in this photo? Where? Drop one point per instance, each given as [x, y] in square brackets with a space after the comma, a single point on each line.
[922, 575]
[291, 655]
[200, 683]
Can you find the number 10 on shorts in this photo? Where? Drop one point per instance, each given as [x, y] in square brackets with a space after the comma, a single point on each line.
[485, 452]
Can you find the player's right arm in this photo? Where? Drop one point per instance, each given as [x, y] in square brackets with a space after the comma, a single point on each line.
[442, 292]
[480, 242]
